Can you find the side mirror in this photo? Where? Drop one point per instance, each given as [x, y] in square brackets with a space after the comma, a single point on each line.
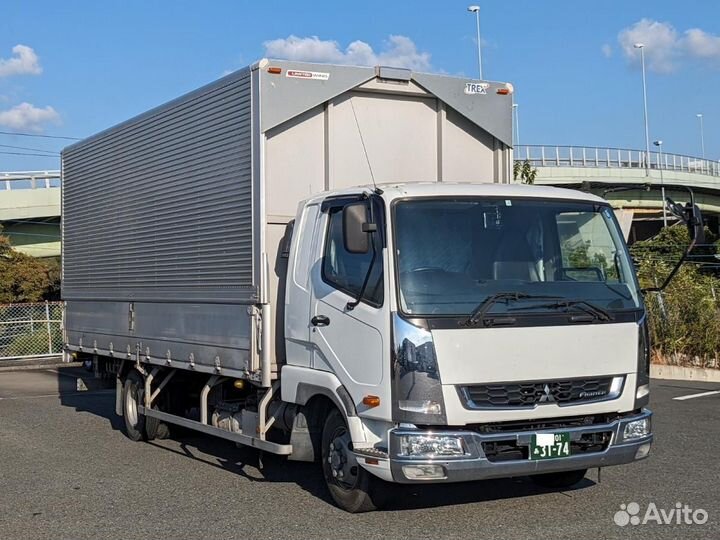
[356, 228]
[695, 224]
[691, 216]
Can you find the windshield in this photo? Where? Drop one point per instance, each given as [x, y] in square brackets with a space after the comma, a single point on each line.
[452, 254]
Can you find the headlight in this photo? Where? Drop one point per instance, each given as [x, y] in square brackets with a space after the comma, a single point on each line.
[416, 386]
[637, 429]
[431, 446]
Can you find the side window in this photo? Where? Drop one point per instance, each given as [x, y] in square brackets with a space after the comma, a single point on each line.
[346, 271]
[587, 249]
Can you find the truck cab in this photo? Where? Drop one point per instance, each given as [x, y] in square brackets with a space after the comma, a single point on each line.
[467, 331]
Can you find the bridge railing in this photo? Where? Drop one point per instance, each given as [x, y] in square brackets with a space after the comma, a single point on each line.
[29, 180]
[618, 158]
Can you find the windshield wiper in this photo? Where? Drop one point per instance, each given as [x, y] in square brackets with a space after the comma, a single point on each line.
[484, 307]
[588, 307]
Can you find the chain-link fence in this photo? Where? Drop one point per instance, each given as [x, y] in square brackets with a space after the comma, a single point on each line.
[30, 330]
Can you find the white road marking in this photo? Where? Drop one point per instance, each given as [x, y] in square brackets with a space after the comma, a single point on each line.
[692, 396]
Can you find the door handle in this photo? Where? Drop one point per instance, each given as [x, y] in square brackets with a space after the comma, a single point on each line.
[320, 320]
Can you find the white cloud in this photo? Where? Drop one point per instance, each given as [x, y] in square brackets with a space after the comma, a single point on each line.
[27, 117]
[701, 44]
[606, 50]
[23, 61]
[399, 51]
[660, 40]
[664, 46]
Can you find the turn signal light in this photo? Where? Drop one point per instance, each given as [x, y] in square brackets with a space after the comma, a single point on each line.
[371, 401]
[275, 70]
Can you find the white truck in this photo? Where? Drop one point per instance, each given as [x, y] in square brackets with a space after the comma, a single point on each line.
[331, 263]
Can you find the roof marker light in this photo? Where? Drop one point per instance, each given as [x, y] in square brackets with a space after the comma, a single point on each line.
[274, 70]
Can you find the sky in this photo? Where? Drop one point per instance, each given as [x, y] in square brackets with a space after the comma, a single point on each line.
[72, 68]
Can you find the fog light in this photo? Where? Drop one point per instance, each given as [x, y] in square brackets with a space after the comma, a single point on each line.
[424, 407]
[431, 446]
[636, 429]
[423, 472]
[643, 451]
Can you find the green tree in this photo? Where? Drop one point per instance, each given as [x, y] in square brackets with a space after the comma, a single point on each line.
[24, 278]
[524, 172]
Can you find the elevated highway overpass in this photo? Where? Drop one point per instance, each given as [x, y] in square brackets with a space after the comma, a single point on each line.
[630, 182]
[30, 211]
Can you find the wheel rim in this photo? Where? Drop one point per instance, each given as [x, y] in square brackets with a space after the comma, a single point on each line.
[342, 465]
[131, 409]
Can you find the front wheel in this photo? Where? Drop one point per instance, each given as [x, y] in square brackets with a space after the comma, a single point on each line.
[557, 480]
[351, 487]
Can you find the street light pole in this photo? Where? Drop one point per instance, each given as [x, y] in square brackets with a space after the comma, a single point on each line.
[517, 124]
[476, 11]
[702, 135]
[662, 183]
[641, 46]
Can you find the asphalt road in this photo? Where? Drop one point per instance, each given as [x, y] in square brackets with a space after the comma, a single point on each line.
[67, 471]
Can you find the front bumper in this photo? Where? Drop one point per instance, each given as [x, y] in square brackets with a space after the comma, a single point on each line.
[476, 465]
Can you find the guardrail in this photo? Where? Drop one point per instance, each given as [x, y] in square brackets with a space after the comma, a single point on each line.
[32, 330]
[29, 180]
[618, 158]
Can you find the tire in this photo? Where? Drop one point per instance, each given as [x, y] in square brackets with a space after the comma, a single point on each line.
[139, 427]
[557, 480]
[352, 488]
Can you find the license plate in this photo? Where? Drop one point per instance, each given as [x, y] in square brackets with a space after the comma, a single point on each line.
[549, 445]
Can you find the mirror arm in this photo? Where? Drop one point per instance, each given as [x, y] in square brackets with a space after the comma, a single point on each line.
[674, 271]
[354, 303]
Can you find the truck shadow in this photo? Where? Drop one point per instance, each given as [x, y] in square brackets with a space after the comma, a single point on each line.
[248, 463]
[256, 467]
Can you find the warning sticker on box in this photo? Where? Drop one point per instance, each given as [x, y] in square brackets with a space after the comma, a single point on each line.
[476, 88]
[315, 75]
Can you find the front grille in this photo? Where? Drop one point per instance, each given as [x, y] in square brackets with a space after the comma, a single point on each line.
[510, 450]
[530, 394]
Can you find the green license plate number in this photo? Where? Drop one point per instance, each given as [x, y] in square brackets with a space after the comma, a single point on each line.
[549, 445]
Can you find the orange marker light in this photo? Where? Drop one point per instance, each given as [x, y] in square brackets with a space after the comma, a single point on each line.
[371, 401]
[503, 91]
[275, 70]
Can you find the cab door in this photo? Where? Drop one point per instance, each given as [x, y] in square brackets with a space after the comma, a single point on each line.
[347, 339]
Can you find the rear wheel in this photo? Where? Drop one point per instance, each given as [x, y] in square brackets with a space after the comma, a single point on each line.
[139, 427]
[556, 480]
[352, 488]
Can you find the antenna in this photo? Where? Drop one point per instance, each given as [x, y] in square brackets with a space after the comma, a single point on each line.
[362, 140]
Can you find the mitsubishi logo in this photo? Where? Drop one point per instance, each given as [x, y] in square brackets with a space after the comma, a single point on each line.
[546, 396]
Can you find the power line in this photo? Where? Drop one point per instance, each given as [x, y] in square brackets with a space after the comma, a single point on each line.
[29, 154]
[29, 148]
[39, 136]
[43, 235]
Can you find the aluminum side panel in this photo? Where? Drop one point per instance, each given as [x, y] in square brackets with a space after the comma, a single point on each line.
[160, 207]
[178, 331]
